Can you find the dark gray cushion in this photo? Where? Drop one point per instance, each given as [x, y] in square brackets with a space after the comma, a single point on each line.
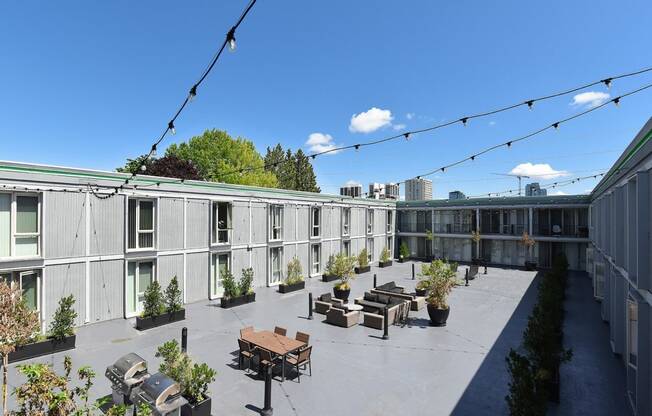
[383, 299]
[372, 297]
[326, 297]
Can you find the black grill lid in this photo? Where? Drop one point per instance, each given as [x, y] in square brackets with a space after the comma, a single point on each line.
[129, 364]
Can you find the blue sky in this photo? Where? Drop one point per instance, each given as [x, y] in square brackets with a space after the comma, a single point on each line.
[89, 84]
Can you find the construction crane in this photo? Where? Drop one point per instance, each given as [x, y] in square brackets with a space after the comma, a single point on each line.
[520, 177]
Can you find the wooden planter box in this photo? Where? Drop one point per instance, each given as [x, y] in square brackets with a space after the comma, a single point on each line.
[37, 349]
[384, 263]
[360, 270]
[158, 320]
[240, 300]
[328, 277]
[282, 288]
[200, 409]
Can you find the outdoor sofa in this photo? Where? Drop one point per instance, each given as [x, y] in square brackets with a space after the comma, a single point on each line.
[397, 292]
[340, 316]
[324, 302]
[373, 306]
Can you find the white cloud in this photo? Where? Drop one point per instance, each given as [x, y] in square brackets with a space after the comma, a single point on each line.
[590, 99]
[352, 183]
[559, 193]
[320, 142]
[399, 126]
[409, 116]
[537, 171]
[370, 120]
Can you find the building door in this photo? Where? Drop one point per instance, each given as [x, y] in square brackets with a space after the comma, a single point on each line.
[140, 274]
[276, 266]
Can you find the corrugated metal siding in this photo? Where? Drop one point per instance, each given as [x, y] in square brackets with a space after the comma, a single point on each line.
[326, 222]
[380, 218]
[170, 223]
[106, 290]
[197, 223]
[289, 223]
[328, 249]
[197, 269]
[259, 223]
[168, 267]
[259, 264]
[304, 222]
[336, 222]
[290, 252]
[239, 261]
[107, 223]
[64, 224]
[63, 280]
[357, 244]
[358, 218]
[379, 245]
[303, 256]
[240, 219]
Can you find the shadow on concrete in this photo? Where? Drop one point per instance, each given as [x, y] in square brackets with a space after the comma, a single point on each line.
[486, 392]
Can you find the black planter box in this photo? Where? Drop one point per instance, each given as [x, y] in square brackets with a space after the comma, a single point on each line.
[240, 300]
[384, 263]
[328, 277]
[360, 270]
[401, 260]
[291, 288]
[37, 349]
[530, 265]
[200, 409]
[342, 294]
[421, 292]
[438, 317]
[158, 320]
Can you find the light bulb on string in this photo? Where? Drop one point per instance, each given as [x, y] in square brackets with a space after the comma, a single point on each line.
[230, 40]
[152, 152]
[193, 93]
[143, 168]
[171, 127]
[530, 104]
[607, 82]
[616, 101]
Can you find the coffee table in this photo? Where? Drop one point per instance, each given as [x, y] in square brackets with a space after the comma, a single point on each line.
[353, 307]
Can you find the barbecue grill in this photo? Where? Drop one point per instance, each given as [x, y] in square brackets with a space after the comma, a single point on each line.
[161, 394]
[127, 373]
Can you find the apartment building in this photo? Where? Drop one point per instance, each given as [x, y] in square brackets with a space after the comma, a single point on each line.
[418, 189]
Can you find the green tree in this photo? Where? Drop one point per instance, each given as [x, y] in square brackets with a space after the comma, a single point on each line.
[169, 166]
[293, 170]
[219, 157]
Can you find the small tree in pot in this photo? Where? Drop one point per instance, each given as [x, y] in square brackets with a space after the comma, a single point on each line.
[404, 252]
[442, 280]
[343, 268]
[363, 262]
[173, 300]
[385, 259]
[528, 242]
[153, 303]
[294, 279]
[328, 274]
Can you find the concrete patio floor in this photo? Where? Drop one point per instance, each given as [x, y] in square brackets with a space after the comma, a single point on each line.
[420, 370]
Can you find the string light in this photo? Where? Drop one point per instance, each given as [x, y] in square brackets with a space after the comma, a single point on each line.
[552, 186]
[171, 127]
[530, 104]
[192, 93]
[152, 152]
[607, 82]
[616, 101]
[230, 39]
[407, 136]
[464, 120]
[555, 125]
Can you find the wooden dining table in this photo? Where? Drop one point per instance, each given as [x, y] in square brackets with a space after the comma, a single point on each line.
[279, 345]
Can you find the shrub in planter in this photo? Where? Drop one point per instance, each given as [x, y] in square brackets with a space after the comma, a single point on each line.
[192, 377]
[363, 262]
[523, 398]
[403, 251]
[294, 279]
[160, 309]
[385, 259]
[237, 293]
[329, 275]
[343, 268]
[441, 282]
[245, 286]
[173, 300]
[63, 321]
[153, 304]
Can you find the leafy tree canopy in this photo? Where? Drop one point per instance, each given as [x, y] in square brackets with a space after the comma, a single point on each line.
[294, 171]
[170, 166]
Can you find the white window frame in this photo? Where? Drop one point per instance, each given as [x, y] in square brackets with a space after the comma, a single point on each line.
[272, 226]
[314, 227]
[312, 260]
[13, 217]
[215, 230]
[138, 311]
[153, 231]
[390, 243]
[390, 221]
[271, 266]
[17, 276]
[370, 249]
[217, 290]
[346, 221]
[370, 221]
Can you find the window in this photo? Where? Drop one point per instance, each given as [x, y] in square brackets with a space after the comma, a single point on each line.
[29, 283]
[370, 221]
[598, 290]
[390, 246]
[221, 223]
[390, 221]
[315, 213]
[370, 249]
[140, 274]
[632, 333]
[346, 247]
[346, 221]
[141, 224]
[219, 263]
[276, 255]
[20, 225]
[315, 256]
[276, 222]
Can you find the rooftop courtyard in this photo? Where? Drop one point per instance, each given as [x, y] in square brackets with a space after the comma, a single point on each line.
[420, 370]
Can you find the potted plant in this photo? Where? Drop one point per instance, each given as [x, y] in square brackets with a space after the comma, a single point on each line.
[159, 309]
[343, 268]
[385, 260]
[453, 266]
[329, 275]
[237, 293]
[528, 242]
[422, 286]
[60, 336]
[192, 377]
[404, 252]
[442, 280]
[363, 262]
[294, 280]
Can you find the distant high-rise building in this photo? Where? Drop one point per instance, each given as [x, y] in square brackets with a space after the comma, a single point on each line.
[533, 189]
[456, 195]
[353, 190]
[391, 191]
[376, 190]
[418, 189]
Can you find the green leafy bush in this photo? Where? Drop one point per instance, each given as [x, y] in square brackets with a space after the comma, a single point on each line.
[344, 269]
[384, 255]
[523, 399]
[404, 250]
[245, 286]
[440, 282]
[328, 271]
[63, 321]
[173, 300]
[363, 258]
[295, 272]
[153, 304]
[231, 289]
